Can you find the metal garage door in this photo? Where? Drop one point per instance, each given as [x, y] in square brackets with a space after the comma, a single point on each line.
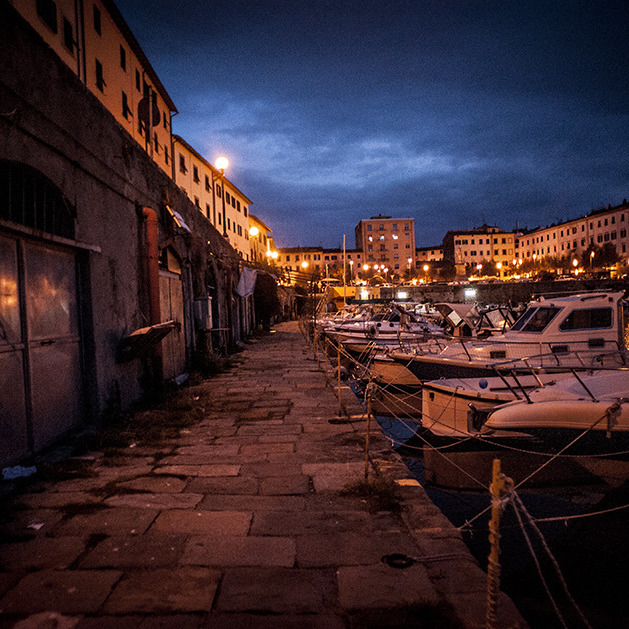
[40, 374]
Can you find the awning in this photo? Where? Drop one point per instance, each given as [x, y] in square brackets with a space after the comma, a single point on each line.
[143, 340]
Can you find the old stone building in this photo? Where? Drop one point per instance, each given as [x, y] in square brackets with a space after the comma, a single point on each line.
[96, 243]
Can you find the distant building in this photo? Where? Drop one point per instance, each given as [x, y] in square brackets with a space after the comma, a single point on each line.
[603, 227]
[479, 246]
[389, 241]
[94, 41]
[428, 254]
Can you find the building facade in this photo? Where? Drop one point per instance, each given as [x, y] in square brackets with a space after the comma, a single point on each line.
[605, 227]
[389, 241]
[204, 184]
[485, 244]
[98, 249]
[94, 41]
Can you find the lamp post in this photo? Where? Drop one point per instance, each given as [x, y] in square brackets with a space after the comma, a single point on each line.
[351, 271]
[222, 163]
[591, 259]
[410, 273]
[426, 268]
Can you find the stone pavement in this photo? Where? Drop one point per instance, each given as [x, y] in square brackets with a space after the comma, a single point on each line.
[241, 521]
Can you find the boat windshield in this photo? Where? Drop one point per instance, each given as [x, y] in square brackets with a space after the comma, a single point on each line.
[535, 319]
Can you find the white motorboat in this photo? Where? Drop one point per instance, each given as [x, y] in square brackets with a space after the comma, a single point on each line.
[582, 331]
[594, 406]
[449, 406]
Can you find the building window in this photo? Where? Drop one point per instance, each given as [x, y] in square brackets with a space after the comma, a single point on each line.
[97, 22]
[219, 191]
[137, 80]
[100, 81]
[155, 143]
[182, 164]
[227, 197]
[368, 228]
[125, 107]
[195, 174]
[207, 210]
[123, 58]
[68, 35]
[220, 219]
[238, 205]
[196, 202]
[47, 11]
[244, 210]
[166, 158]
[207, 183]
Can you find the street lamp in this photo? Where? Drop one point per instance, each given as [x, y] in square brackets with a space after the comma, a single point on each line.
[591, 259]
[351, 271]
[222, 163]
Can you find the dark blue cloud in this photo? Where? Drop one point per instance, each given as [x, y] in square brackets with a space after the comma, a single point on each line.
[454, 113]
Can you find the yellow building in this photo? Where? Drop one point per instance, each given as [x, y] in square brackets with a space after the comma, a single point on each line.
[94, 41]
[604, 227]
[203, 183]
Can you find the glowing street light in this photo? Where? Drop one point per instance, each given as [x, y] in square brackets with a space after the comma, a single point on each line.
[304, 265]
[254, 231]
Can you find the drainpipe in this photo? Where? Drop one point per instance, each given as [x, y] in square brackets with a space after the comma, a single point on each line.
[152, 255]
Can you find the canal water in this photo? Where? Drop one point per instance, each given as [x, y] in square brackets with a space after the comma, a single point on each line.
[592, 553]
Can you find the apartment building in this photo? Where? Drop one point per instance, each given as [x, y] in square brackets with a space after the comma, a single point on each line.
[601, 227]
[92, 39]
[480, 245]
[386, 240]
[204, 185]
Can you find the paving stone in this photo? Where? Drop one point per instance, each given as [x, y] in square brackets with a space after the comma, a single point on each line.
[199, 470]
[224, 485]
[56, 499]
[255, 448]
[276, 621]
[379, 586]
[41, 553]
[334, 476]
[108, 521]
[187, 589]
[186, 522]
[285, 485]
[68, 592]
[208, 451]
[310, 522]
[30, 523]
[141, 551]
[156, 501]
[153, 484]
[347, 549]
[154, 621]
[276, 591]
[252, 503]
[229, 550]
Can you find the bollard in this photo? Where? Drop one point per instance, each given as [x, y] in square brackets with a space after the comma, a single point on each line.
[500, 484]
[339, 378]
[367, 435]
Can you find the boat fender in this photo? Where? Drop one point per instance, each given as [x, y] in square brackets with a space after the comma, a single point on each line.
[371, 332]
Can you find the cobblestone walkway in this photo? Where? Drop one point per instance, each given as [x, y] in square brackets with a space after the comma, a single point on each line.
[241, 521]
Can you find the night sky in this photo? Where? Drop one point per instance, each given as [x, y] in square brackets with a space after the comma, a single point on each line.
[453, 112]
